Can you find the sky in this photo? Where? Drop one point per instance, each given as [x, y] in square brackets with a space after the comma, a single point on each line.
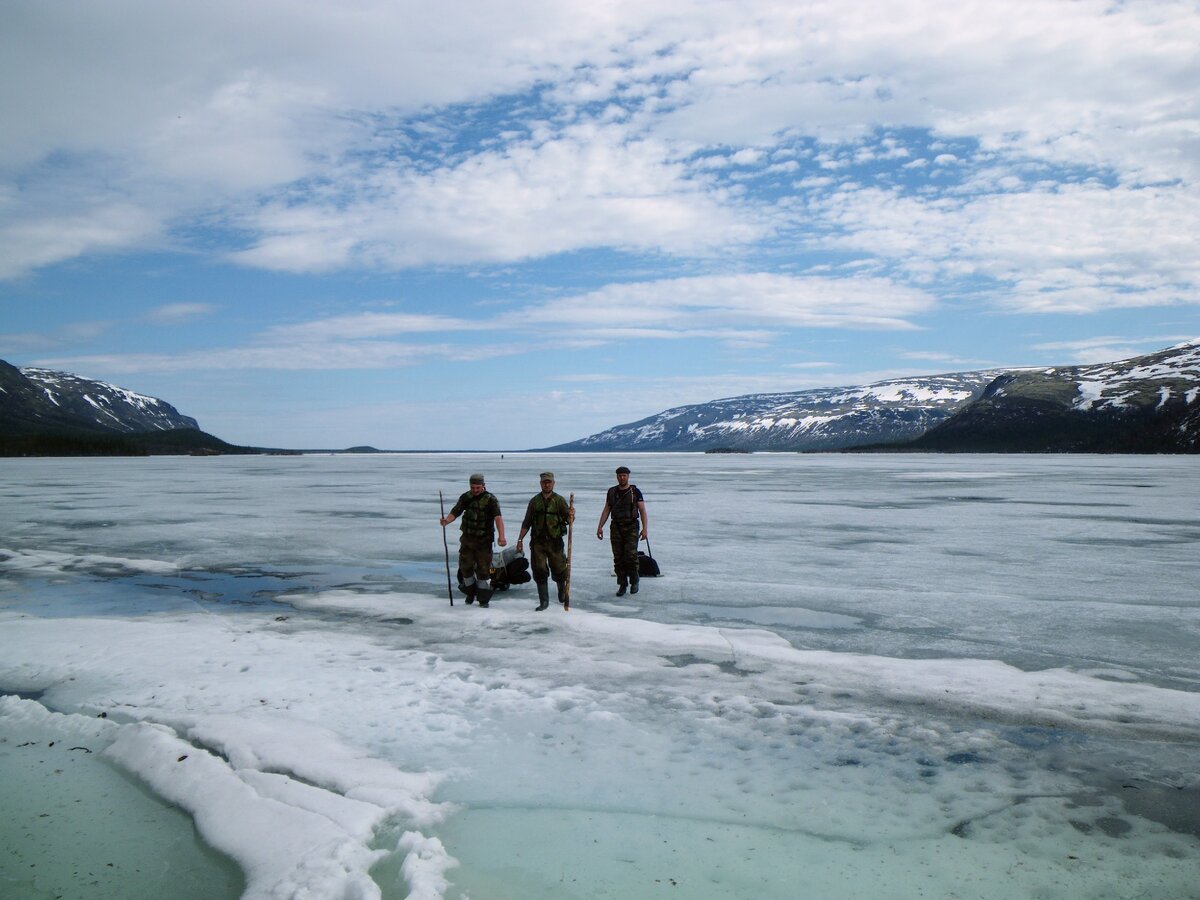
[480, 225]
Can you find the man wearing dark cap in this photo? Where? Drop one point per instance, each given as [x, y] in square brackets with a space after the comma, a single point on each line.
[481, 522]
[547, 516]
[625, 504]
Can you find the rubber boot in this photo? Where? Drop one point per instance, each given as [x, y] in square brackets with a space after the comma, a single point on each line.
[633, 585]
[543, 596]
[469, 590]
[562, 591]
[484, 594]
[621, 585]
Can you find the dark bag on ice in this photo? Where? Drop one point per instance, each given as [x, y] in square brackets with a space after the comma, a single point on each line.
[517, 571]
[506, 570]
[509, 569]
[647, 567]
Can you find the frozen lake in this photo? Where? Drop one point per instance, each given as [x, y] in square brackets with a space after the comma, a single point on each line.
[860, 675]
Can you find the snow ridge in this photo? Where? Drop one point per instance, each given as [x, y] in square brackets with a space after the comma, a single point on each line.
[105, 406]
[818, 419]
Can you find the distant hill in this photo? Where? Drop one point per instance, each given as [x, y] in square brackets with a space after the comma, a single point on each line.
[46, 413]
[1148, 404]
[821, 419]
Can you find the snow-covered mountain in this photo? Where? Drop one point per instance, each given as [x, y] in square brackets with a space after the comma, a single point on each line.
[821, 419]
[34, 400]
[1145, 404]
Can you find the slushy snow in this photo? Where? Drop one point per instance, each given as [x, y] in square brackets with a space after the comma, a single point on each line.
[876, 676]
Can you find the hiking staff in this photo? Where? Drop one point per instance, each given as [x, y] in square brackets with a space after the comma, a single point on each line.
[570, 529]
[446, 546]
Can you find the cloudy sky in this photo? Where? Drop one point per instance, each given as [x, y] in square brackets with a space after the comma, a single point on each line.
[504, 225]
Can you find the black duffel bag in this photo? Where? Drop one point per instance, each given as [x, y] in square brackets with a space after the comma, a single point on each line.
[647, 567]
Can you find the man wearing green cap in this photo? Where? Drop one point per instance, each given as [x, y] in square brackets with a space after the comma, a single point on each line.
[624, 502]
[481, 522]
[548, 516]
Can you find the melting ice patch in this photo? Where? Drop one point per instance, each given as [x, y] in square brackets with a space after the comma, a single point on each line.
[748, 734]
[54, 562]
[296, 807]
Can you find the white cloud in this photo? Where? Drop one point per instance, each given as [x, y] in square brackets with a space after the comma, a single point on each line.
[588, 378]
[103, 77]
[742, 311]
[317, 356]
[137, 115]
[1106, 349]
[176, 313]
[1076, 248]
[1084, 82]
[732, 306]
[366, 325]
[69, 333]
[133, 123]
[590, 185]
[251, 133]
[23, 343]
[37, 234]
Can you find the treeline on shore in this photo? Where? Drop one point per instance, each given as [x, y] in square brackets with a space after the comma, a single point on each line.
[65, 442]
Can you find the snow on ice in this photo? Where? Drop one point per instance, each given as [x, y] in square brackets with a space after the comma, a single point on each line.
[859, 675]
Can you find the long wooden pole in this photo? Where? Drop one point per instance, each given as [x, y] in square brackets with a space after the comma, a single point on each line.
[446, 547]
[570, 531]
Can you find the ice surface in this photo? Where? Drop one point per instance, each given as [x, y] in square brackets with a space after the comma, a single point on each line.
[859, 675]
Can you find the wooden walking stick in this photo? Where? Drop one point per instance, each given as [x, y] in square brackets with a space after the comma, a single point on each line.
[570, 530]
[446, 546]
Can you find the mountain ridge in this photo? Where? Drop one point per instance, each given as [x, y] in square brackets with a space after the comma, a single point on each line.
[49, 413]
[36, 398]
[1144, 404]
[893, 410]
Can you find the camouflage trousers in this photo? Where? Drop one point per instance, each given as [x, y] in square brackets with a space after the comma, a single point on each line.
[547, 559]
[475, 560]
[624, 540]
